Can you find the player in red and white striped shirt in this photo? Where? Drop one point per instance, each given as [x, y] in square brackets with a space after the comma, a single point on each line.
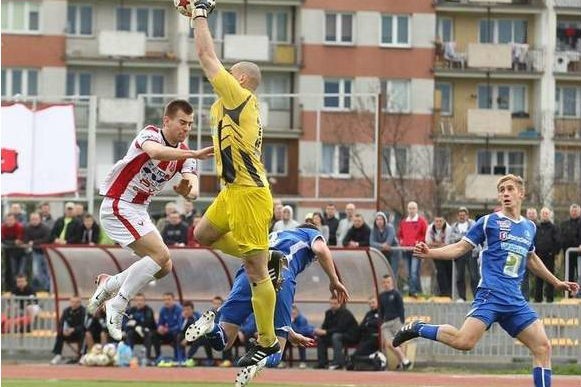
[153, 158]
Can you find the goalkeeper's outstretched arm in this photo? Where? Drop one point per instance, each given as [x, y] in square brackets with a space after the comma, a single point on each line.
[203, 38]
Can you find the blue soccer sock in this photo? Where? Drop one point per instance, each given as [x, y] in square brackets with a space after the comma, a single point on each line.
[273, 360]
[542, 377]
[217, 338]
[428, 331]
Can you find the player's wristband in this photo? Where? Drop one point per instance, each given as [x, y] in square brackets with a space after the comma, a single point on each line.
[200, 12]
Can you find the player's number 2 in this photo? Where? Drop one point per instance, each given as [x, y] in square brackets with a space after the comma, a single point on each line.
[512, 264]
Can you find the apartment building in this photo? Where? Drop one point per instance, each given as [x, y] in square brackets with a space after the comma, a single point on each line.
[507, 98]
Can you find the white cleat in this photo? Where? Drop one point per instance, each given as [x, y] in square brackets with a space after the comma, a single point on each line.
[246, 374]
[101, 294]
[114, 319]
[202, 326]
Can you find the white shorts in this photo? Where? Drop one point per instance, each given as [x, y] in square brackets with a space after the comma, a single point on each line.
[125, 222]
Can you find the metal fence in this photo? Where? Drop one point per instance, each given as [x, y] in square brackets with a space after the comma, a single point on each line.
[28, 323]
[568, 253]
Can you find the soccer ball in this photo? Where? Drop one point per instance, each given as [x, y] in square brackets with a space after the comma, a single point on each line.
[96, 349]
[91, 360]
[102, 360]
[110, 350]
[184, 7]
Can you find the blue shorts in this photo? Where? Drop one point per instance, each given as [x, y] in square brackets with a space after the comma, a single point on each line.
[238, 305]
[512, 316]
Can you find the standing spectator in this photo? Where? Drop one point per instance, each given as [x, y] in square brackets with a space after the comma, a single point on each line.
[412, 230]
[300, 324]
[571, 237]
[339, 328]
[437, 236]
[533, 216]
[547, 246]
[18, 212]
[383, 238]
[139, 325]
[79, 211]
[189, 212]
[345, 224]
[170, 208]
[23, 289]
[23, 312]
[71, 328]
[468, 260]
[175, 232]
[35, 234]
[12, 237]
[45, 215]
[65, 225]
[358, 234]
[276, 214]
[87, 233]
[369, 330]
[392, 313]
[287, 220]
[317, 219]
[169, 326]
[192, 241]
[333, 223]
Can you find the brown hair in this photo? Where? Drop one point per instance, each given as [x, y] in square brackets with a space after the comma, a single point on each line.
[516, 179]
[172, 108]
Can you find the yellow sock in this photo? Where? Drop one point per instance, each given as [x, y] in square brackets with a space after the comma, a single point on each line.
[228, 245]
[263, 301]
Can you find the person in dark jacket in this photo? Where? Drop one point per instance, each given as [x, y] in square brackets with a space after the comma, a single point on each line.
[358, 234]
[339, 328]
[571, 237]
[71, 328]
[383, 238]
[35, 234]
[86, 233]
[369, 330]
[139, 324]
[547, 246]
[169, 326]
[175, 232]
[64, 226]
[333, 223]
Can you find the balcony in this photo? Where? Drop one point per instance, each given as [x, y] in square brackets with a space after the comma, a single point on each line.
[568, 4]
[567, 63]
[501, 60]
[520, 6]
[568, 130]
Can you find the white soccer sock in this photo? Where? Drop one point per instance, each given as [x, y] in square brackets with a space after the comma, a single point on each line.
[113, 283]
[138, 275]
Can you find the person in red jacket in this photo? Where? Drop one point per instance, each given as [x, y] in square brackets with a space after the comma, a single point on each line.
[412, 230]
[12, 251]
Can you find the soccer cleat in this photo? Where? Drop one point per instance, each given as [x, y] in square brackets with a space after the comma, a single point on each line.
[407, 366]
[114, 319]
[276, 263]
[257, 353]
[246, 375]
[407, 332]
[100, 295]
[201, 326]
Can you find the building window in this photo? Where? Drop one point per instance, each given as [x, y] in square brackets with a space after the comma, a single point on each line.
[503, 97]
[19, 82]
[394, 161]
[276, 84]
[275, 159]
[119, 149]
[208, 166]
[500, 162]
[442, 163]
[395, 30]
[277, 27]
[150, 21]
[80, 20]
[78, 84]
[20, 16]
[338, 28]
[397, 95]
[82, 148]
[446, 98]
[502, 31]
[568, 101]
[568, 35]
[130, 86]
[566, 164]
[445, 29]
[200, 86]
[340, 93]
[336, 159]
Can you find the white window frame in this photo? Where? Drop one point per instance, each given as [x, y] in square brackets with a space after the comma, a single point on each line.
[24, 86]
[335, 167]
[133, 83]
[494, 153]
[568, 157]
[133, 21]
[394, 31]
[440, 29]
[449, 112]
[207, 166]
[77, 34]
[392, 160]
[494, 96]
[341, 95]
[496, 33]
[274, 16]
[77, 84]
[386, 86]
[447, 168]
[274, 158]
[559, 101]
[282, 104]
[27, 10]
[208, 96]
[339, 29]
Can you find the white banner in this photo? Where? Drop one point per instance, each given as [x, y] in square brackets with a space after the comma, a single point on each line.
[39, 151]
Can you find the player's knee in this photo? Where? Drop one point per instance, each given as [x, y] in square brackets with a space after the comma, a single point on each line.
[163, 256]
[543, 348]
[465, 343]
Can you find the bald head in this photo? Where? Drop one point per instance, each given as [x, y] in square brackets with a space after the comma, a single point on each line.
[248, 74]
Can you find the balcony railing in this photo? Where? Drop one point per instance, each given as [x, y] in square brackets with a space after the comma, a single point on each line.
[278, 53]
[568, 4]
[567, 62]
[494, 3]
[567, 128]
